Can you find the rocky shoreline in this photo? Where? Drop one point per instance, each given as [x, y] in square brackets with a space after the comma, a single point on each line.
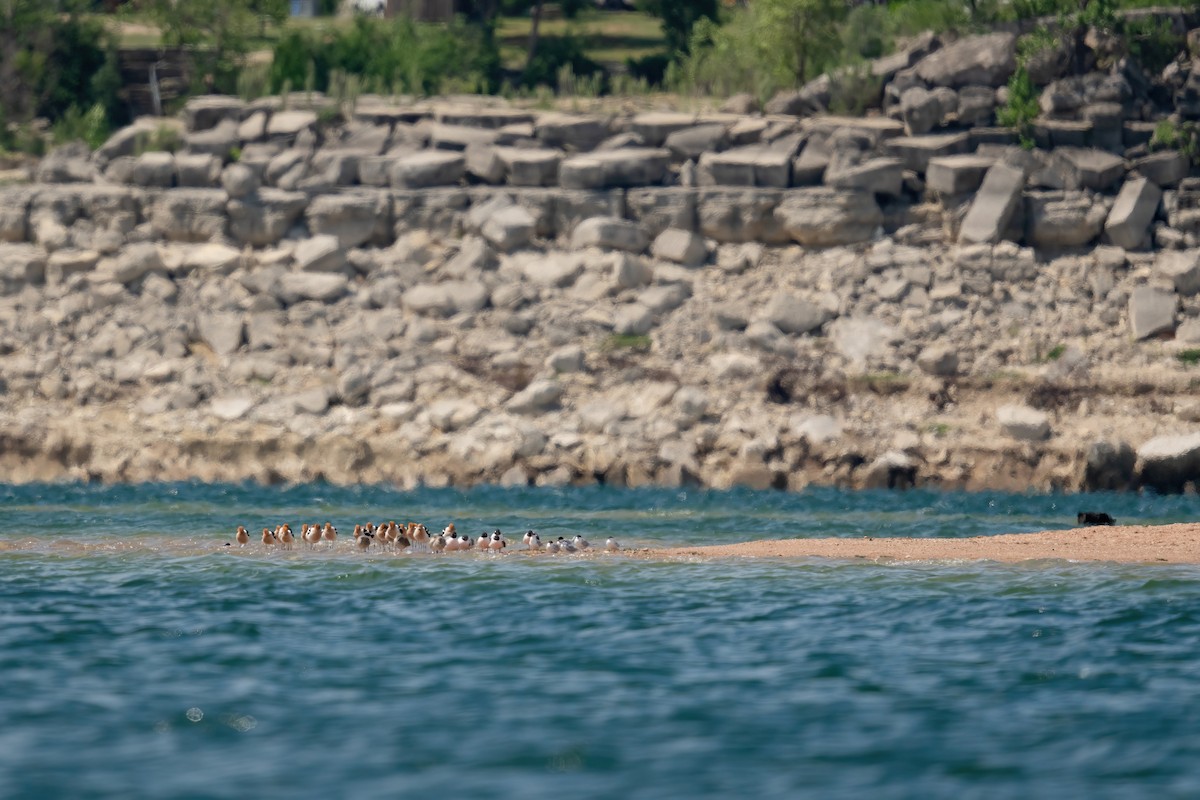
[460, 292]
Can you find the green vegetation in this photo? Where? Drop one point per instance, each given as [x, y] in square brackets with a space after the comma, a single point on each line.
[1182, 136]
[90, 127]
[626, 341]
[163, 139]
[1056, 352]
[1189, 357]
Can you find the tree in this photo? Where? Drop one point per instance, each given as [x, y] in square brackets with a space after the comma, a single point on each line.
[679, 17]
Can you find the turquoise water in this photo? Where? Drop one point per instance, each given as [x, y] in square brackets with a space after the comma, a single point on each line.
[139, 657]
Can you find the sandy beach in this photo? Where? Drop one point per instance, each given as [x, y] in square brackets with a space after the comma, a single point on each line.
[1171, 544]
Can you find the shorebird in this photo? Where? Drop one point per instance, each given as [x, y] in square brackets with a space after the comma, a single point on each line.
[419, 537]
[313, 536]
[268, 538]
[611, 545]
[483, 541]
[363, 542]
[531, 540]
[438, 543]
[565, 546]
[497, 543]
[552, 547]
[580, 542]
[329, 534]
[285, 537]
[450, 530]
[242, 537]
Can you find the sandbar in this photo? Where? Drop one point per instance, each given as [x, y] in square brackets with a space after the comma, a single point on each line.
[1135, 544]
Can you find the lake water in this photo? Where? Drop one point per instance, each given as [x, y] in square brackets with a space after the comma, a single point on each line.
[140, 658]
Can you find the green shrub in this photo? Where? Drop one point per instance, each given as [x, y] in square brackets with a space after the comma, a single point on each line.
[409, 57]
[554, 57]
[1189, 357]
[163, 139]
[89, 126]
[1181, 136]
[1152, 43]
[1022, 107]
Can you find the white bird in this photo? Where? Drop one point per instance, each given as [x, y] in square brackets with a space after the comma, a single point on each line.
[532, 541]
[483, 541]
[243, 538]
[497, 543]
[611, 545]
[552, 547]
[329, 534]
[314, 535]
[580, 542]
[565, 546]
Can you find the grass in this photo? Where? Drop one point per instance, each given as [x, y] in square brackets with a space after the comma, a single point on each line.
[610, 37]
[1055, 353]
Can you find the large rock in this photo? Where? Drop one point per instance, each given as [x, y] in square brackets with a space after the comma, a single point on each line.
[1166, 463]
[691, 143]
[189, 215]
[509, 229]
[875, 176]
[654, 127]
[829, 217]
[68, 163]
[987, 60]
[1151, 311]
[938, 360]
[917, 151]
[219, 141]
[570, 131]
[537, 397]
[320, 254]
[609, 233]
[742, 215]
[1181, 268]
[1023, 423]
[197, 170]
[289, 124]
[262, 220]
[681, 247]
[358, 218]
[1084, 168]
[323, 287]
[746, 166]
[921, 110]
[1132, 213]
[428, 168]
[1166, 169]
[1064, 219]
[530, 166]
[993, 207]
[629, 167]
[222, 331]
[239, 181]
[208, 111]
[959, 174]
[21, 265]
[153, 169]
[135, 262]
[792, 314]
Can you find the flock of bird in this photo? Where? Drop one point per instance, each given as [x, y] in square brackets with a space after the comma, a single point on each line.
[413, 537]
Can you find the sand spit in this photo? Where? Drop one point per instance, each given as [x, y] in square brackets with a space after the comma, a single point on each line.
[1172, 544]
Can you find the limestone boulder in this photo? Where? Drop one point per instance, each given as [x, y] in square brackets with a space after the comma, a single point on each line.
[793, 314]
[428, 168]
[625, 168]
[1151, 312]
[509, 228]
[322, 287]
[680, 247]
[189, 215]
[826, 217]
[1167, 463]
[609, 233]
[354, 218]
[1023, 423]
[262, 220]
[986, 60]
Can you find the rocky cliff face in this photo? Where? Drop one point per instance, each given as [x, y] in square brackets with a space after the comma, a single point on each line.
[460, 293]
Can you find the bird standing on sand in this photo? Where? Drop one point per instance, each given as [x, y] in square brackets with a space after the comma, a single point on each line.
[580, 542]
[438, 543]
[531, 540]
[285, 537]
[611, 545]
[313, 536]
[552, 548]
[268, 538]
[329, 534]
[363, 542]
[483, 541]
[497, 542]
[242, 537]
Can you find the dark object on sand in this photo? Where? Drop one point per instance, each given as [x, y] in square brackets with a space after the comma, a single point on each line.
[1094, 518]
